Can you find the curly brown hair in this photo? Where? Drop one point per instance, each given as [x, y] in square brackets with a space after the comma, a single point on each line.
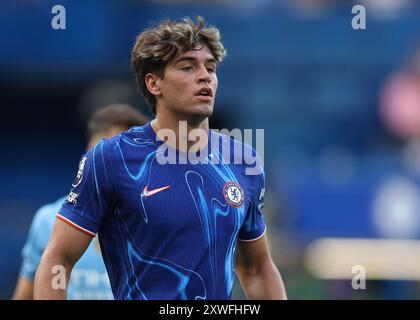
[156, 47]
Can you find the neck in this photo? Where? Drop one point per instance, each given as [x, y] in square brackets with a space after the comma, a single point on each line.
[182, 128]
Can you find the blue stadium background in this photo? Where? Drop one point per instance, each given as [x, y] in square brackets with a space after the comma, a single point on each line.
[299, 72]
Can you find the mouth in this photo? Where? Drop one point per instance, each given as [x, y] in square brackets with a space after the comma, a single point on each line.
[204, 94]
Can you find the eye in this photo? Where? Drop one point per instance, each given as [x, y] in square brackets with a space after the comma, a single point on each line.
[187, 68]
[211, 70]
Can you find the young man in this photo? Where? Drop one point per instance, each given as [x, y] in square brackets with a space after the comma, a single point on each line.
[89, 277]
[168, 231]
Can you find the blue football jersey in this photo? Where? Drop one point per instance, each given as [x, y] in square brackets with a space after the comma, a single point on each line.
[167, 231]
[89, 279]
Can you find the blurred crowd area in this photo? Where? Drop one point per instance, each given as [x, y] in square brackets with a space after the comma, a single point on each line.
[340, 109]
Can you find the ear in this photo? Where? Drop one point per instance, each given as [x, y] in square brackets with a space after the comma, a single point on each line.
[153, 84]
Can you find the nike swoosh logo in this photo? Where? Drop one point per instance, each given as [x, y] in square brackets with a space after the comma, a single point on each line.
[148, 193]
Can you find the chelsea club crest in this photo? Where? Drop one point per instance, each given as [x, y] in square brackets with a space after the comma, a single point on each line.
[233, 194]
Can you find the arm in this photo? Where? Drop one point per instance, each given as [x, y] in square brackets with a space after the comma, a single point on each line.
[257, 273]
[65, 247]
[39, 233]
[24, 289]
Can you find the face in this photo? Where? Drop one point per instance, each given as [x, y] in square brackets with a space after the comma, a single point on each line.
[189, 85]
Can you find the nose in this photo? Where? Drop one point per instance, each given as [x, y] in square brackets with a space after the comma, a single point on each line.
[204, 75]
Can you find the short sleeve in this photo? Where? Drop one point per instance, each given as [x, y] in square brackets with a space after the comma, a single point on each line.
[254, 226]
[90, 198]
[39, 234]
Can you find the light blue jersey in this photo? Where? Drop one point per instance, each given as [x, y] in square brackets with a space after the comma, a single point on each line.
[89, 279]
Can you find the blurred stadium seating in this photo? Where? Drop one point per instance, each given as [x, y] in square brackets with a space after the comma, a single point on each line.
[297, 70]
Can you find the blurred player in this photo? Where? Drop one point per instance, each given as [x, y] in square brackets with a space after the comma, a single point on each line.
[89, 278]
[168, 231]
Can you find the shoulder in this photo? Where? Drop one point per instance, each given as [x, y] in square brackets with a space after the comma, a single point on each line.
[242, 154]
[104, 150]
[46, 213]
[140, 136]
[136, 137]
[44, 218]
